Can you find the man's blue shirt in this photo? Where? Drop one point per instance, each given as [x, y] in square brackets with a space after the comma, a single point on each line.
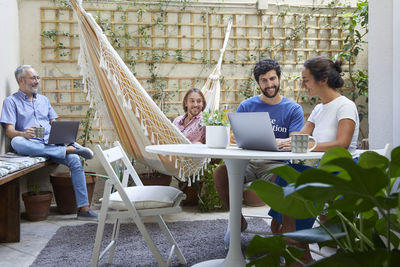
[22, 113]
[286, 116]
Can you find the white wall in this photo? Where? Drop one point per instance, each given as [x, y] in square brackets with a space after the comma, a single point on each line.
[384, 73]
[9, 53]
[396, 71]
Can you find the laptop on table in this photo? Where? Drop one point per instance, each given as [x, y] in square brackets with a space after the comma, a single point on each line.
[253, 130]
[63, 132]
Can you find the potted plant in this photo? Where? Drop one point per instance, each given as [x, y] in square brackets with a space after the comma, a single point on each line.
[363, 210]
[155, 178]
[217, 129]
[37, 203]
[62, 182]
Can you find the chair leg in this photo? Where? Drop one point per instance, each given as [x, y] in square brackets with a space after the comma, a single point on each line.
[98, 240]
[114, 237]
[100, 225]
[150, 242]
[171, 239]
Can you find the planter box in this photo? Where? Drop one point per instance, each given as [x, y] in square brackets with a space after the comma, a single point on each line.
[37, 206]
[64, 191]
[155, 178]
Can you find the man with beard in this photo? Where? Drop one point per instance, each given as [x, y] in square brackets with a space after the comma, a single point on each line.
[25, 110]
[190, 123]
[286, 119]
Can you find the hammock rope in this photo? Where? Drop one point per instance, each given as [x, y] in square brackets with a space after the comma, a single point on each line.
[124, 110]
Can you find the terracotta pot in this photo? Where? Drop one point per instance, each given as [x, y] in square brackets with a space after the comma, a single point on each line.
[155, 178]
[37, 206]
[64, 191]
[251, 199]
[191, 193]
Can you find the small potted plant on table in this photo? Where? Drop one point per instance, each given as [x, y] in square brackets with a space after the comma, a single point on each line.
[217, 129]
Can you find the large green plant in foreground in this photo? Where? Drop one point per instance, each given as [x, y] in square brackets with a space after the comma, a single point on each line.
[363, 210]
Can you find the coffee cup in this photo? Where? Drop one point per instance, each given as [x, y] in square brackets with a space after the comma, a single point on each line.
[39, 132]
[300, 143]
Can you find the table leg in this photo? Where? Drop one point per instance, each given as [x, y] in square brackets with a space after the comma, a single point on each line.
[236, 169]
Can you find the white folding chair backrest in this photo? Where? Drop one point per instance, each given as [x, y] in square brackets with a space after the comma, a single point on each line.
[384, 151]
[113, 155]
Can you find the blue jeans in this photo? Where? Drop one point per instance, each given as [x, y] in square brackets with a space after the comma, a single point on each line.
[300, 223]
[56, 153]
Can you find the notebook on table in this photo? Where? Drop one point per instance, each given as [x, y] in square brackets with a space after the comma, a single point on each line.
[253, 130]
[63, 132]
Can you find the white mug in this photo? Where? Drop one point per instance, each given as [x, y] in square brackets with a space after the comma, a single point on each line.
[300, 143]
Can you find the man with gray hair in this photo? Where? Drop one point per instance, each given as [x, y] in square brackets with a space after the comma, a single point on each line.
[25, 110]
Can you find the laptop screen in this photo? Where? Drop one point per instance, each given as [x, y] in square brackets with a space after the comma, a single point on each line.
[63, 132]
[253, 130]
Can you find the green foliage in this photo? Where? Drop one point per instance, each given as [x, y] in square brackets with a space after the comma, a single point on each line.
[356, 27]
[86, 123]
[364, 216]
[34, 190]
[87, 133]
[209, 200]
[215, 118]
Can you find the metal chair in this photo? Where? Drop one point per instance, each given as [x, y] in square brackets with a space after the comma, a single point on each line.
[134, 202]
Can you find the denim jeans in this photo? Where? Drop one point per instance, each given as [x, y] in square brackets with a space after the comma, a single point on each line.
[56, 153]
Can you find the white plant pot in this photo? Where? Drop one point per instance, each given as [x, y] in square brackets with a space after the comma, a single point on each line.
[217, 136]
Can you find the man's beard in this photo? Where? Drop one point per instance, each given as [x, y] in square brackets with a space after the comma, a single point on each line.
[264, 91]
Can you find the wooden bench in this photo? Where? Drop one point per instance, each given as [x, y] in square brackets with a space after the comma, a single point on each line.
[9, 203]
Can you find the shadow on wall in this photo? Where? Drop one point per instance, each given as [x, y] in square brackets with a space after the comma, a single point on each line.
[4, 140]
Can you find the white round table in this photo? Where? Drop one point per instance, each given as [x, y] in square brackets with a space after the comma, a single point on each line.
[236, 160]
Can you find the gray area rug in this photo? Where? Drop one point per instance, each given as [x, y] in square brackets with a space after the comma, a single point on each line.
[198, 240]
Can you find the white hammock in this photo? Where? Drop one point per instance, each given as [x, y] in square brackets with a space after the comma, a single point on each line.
[120, 99]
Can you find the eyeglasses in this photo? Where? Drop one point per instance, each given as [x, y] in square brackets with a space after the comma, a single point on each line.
[34, 78]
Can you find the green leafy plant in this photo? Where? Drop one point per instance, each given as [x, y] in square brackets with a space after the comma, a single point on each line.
[209, 199]
[363, 210]
[215, 118]
[34, 190]
[87, 132]
[356, 26]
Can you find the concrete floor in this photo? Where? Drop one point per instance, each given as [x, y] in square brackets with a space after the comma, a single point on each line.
[35, 235]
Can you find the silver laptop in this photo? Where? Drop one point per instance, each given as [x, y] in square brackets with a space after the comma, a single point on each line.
[63, 132]
[253, 130]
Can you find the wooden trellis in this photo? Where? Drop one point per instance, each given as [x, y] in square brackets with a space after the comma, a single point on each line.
[176, 40]
[195, 37]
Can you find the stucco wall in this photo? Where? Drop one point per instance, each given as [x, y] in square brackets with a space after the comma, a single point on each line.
[384, 85]
[9, 54]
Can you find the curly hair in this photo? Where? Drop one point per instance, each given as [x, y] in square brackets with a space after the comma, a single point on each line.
[265, 65]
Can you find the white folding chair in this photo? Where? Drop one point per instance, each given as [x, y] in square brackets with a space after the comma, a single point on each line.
[133, 202]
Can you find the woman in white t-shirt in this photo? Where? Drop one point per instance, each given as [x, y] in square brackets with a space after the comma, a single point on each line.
[333, 123]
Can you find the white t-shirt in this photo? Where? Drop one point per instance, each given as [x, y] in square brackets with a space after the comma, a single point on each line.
[326, 118]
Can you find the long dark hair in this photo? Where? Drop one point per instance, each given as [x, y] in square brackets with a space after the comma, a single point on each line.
[322, 67]
[193, 90]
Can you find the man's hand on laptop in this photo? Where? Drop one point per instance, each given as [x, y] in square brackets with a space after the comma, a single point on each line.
[232, 140]
[284, 143]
